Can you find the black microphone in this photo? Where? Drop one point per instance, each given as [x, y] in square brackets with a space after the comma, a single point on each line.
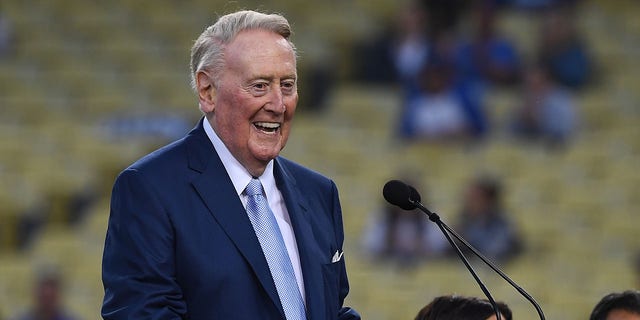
[398, 194]
[409, 197]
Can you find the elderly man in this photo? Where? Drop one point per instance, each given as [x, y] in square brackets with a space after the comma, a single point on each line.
[217, 225]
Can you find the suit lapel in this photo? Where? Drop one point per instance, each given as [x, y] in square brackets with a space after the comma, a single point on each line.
[216, 190]
[298, 209]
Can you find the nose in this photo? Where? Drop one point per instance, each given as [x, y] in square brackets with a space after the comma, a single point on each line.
[276, 101]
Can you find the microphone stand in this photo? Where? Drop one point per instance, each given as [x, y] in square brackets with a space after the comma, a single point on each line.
[469, 267]
[447, 231]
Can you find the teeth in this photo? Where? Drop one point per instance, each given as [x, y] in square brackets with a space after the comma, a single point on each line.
[267, 125]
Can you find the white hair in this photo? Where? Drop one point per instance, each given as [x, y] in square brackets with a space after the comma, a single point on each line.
[207, 53]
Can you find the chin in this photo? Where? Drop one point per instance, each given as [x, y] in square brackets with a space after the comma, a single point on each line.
[266, 152]
[265, 156]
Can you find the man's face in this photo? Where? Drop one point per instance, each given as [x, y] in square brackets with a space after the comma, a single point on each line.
[255, 98]
[620, 314]
[493, 317]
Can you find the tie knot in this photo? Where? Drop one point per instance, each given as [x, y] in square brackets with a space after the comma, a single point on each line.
[253, 188]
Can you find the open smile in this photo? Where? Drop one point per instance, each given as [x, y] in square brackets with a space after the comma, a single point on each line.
[267, 127]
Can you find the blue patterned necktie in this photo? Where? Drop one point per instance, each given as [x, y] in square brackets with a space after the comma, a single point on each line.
[266, 228]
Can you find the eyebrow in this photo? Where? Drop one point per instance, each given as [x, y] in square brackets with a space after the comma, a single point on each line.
[272, 77]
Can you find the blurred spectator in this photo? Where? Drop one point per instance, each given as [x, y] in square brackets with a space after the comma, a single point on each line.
[454, 307]
[618, 306]
[320, 72]
[484, 223]
[375, 58]
[317, 85]
[28, 225]
[401, 236]
[443, 16]
[6, 34]
[441, 111]
[562, 50]
[372, 59]
[411, 45]
[47, 296]
[547, 111]
[487, 58]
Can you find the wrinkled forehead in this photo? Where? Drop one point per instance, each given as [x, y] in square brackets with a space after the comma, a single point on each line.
[260, 40]
[259, 46]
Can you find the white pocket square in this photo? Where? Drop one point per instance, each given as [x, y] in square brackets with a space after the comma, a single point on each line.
[337, 256]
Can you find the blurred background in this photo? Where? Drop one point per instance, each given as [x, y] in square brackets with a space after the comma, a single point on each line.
[516, 119]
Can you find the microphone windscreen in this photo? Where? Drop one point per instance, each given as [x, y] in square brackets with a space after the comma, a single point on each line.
[398, 193]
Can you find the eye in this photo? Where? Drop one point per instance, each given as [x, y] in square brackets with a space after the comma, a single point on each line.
[288, 86]
[259, 88]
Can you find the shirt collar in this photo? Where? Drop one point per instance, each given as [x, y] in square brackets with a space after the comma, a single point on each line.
[239, 175]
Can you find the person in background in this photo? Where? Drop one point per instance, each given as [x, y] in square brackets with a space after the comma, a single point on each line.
[487, 58]
[485, 224]
[47, 298]
[618, 306]
[453, 307]
[444, 16]
[547, 113]
[7, 35]
[441, 111]
[218, 225]
[403, 237]
[411, 45]
[562, 50]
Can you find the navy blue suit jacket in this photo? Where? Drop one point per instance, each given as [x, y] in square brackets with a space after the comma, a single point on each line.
[180, 245]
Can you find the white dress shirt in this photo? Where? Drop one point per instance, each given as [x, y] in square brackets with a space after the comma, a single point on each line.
[240, 178]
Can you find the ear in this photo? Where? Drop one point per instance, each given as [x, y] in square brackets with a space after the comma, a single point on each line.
[206, 92]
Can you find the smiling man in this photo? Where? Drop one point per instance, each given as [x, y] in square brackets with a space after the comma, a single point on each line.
[217, 225]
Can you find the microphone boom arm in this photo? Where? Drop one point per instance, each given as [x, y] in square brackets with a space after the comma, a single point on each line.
[435, 218]
[448, 232]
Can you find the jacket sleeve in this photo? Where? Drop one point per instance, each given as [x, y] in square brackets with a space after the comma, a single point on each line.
[138, 266]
